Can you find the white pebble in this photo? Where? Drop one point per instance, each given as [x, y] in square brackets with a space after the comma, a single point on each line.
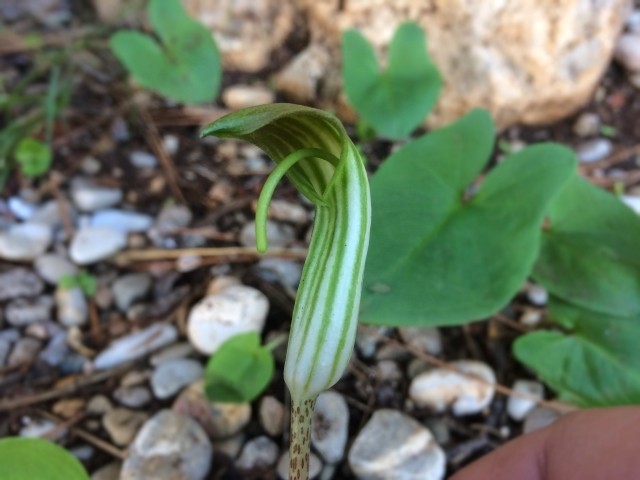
[123, 220]
[627, 51]
[632, 202]
[440, 388]
[92, 244]
[140, 159]
[89, 198]
[172, 375]
[25, 241]
[519, 407]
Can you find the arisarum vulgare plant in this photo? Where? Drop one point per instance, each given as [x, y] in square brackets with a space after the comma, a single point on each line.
[313, 150]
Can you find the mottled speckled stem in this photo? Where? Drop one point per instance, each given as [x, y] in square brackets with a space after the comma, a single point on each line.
[300, 442]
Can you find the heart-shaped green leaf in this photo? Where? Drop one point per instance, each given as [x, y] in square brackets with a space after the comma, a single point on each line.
[239, 371]
[597, 363]
[186, 67]
[590, 253]
[436, 257]
[37, 459]
[397, 100]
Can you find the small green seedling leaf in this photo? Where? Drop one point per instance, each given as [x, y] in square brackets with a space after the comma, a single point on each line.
[37, 459]
[239, 371]
[596, 363]
[590, 253]
[33, 157]
[185, 67]
[83, 280]
[437, 257]
[394, 102]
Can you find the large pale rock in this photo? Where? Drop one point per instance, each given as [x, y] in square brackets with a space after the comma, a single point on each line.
[247, 32]
[528, 61]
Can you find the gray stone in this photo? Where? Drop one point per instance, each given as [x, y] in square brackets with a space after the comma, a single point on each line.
[56, 350]
[230, 446]
[279, 234]
[177, 350]
[271, 414]
[423, 339]
[24, 351]
[41, 428]
[122, 220]
[285, 211]
[52, 267]
[72, 306]
[216, 318]
[537, 295]
[172, 217]
[627, 51]
[130, 288]
[330, 429]
[172, 375]
[136, 345]
[538, 418]
[25, 241]
[169, 446]
[89, 198]
[25, 311]
[140, 159]
[44, 330]
[393, 445]
[122, 424]
[92, 244]
[171, 143]
[440, 388]
[519, 407]
[19, 282]
[315, 466]
[287, 272]
[220, 420]
[50, 214]
[260, 452]
[132, 397]
[367, 338]
[594, 150]
[98, 405]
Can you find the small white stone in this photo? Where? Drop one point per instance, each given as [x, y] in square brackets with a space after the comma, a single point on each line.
[19, 282]
[136, 345]
[393, 445]
[627, 51]
[72, 306]
[39, 428]
[633, 21]
[50, 214]
[330, 429]
[271, 415]
[123, 220]
[177, 350]
[132, 397]
[172, 375]
[25, 241]
[632, 202]
[519, 407]
[531, 317]
[89, 198]
[168, 446]
[587, 125]
[171, 144]
[537, 295]
[216, 318]
[440, 388]
[24, 351]
[52, 267]
[92, 244]
[21, 209]
[424, 339]
[315, 466]
[287, 272]
[260, 452]
[140, 159]
[594, 150]
[130, 288]
[236, 97]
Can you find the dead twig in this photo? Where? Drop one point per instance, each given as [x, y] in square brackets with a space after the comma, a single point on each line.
[98, 377]
[86, 436]
[153, 254]
[152, 138]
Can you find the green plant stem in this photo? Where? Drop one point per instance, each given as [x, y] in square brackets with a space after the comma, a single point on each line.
[300, 441]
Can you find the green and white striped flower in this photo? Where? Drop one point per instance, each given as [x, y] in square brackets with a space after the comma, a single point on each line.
[313, 150]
